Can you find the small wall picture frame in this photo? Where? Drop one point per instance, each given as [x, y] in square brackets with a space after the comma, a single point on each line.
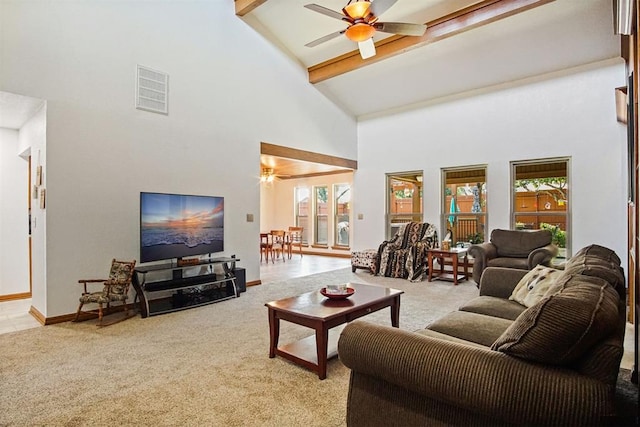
[38, 176]
[42, 198]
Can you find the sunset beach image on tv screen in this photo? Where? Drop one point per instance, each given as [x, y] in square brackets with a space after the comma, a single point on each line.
[175, 226]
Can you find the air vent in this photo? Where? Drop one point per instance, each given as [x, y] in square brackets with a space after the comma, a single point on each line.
[152, 90]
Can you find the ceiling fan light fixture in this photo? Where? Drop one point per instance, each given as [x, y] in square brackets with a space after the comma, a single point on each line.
[360, 32]
[357, 9]
[267, 175]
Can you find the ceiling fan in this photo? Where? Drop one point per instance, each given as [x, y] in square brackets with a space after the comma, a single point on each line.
[362, 17]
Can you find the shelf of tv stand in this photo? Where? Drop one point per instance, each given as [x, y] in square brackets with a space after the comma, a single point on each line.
[186, 292]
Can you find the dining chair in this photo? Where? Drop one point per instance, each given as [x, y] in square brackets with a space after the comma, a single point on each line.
[265, 246]
[278, 244]
[295, 239]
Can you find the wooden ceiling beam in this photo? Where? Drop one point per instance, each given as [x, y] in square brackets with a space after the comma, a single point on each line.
[482, 13]
[245, 6]
[307, 156]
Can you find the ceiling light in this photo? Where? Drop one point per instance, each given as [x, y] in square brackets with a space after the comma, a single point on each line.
[360, 32]
[267, 175]
[357, 9]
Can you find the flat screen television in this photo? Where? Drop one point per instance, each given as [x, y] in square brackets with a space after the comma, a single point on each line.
[177, 225]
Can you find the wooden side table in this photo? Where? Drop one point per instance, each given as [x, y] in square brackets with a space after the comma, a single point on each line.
[449, 257]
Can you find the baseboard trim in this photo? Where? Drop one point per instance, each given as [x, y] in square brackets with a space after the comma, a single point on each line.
[328, 254]
[38, 316]
[85, 315]
[12, 297]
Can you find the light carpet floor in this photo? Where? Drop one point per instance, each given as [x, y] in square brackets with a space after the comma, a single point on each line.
[204, 366]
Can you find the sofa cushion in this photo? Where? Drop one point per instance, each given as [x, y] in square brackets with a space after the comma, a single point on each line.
[533, 286]
[599, 252]
[517, 243]
[562, 327]
[600, 262]
[494, 306]
[473, 327]
[441, 336]
[519, 263]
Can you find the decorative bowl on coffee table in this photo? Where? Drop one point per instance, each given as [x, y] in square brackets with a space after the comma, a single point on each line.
[346, 294]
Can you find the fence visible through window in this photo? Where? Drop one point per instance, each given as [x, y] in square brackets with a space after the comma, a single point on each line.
[541, 199]
[464, 204]
[404, 200]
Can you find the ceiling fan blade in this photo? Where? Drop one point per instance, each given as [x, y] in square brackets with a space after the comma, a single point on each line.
[325, 38]
[378, 7]
[325, 11]
[367, 48]
[400, 28]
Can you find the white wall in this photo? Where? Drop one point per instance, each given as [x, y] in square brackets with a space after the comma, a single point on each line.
[565, 114]
[229, 90]
[32, 137]
[14, 216]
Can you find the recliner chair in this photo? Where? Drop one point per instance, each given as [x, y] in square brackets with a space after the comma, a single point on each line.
[521, 249]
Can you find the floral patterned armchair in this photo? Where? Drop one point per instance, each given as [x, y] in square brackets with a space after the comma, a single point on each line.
[405, 255]
[115, 289]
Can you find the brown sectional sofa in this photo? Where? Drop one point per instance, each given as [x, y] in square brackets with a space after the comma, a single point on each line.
[494, 361]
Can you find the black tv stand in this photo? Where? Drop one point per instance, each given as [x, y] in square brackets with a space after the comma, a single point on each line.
[167, 287]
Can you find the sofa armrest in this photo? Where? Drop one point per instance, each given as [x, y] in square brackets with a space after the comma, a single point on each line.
[481, 254]
[542, 256]
[474, 379]
[500, 281]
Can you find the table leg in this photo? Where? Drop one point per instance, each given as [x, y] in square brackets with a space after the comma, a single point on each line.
[454, 260]
[322, 340]
[429, 265]
[274, 333]
[395, 312]
[465, 266]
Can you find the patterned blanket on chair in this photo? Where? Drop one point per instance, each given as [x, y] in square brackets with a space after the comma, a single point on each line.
[405, 255]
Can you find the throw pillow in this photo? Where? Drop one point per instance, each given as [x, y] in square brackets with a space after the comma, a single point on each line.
[534, 285]
[563, 327]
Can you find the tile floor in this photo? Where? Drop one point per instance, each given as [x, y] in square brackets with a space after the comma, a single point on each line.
[14, 315]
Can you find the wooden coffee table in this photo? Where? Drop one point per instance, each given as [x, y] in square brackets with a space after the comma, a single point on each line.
[322, 314]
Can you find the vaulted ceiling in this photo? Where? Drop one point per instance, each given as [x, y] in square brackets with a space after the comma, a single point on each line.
[469, 45]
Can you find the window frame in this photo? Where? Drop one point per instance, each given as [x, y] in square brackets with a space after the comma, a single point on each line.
[296, 206]
[482, 217]
[337, 216]
[416, 177]
[316, 216]
[538, 213]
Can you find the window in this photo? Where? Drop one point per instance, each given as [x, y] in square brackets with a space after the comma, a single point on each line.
[464, 206]
[404, 200]
[321, 216]
[541, 198]
[301, 200]
[342, 194]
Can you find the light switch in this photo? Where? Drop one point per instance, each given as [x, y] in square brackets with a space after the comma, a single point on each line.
[249, 217]
[360, 216]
